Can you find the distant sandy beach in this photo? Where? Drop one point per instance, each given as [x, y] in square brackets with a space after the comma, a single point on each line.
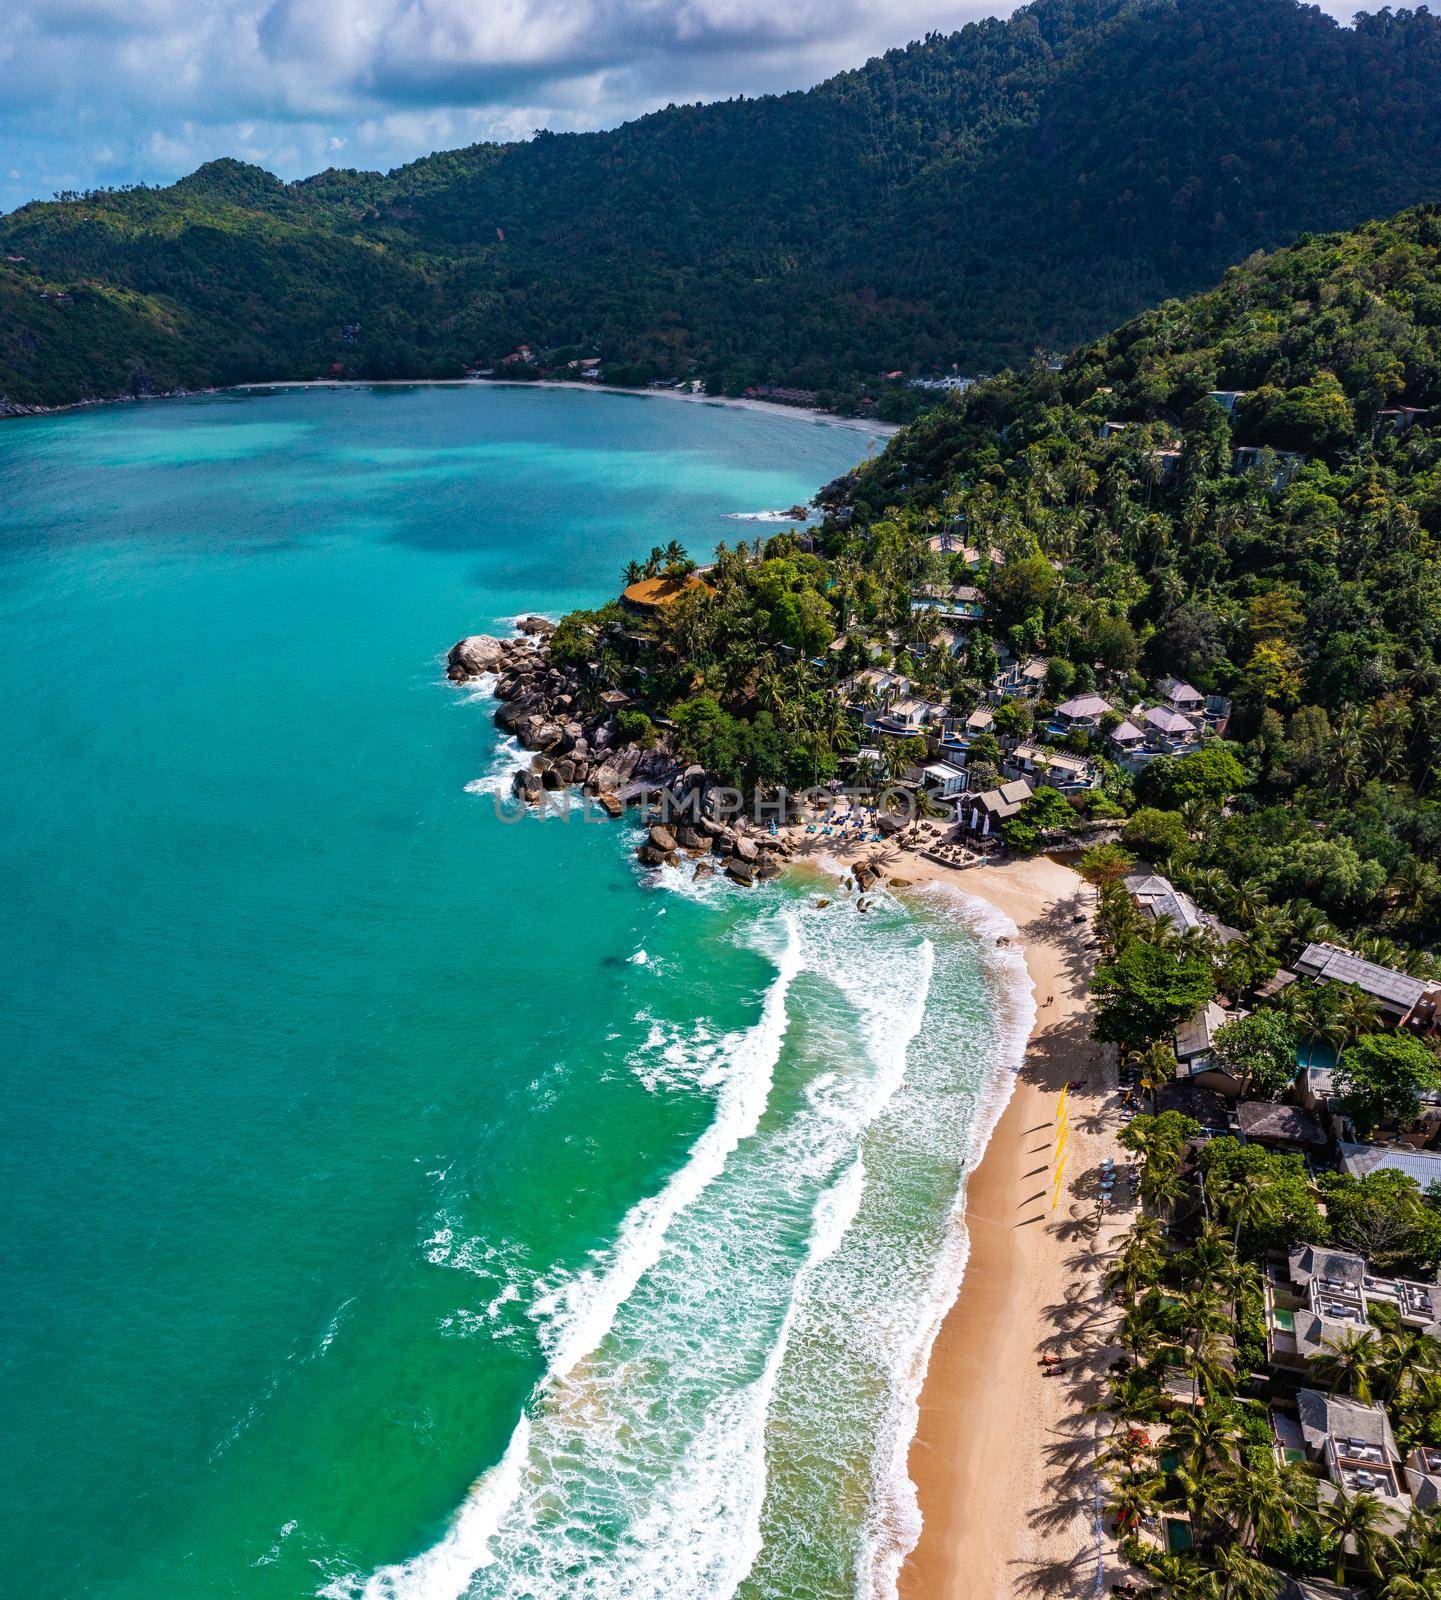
[881, 430]
[1004, 1455]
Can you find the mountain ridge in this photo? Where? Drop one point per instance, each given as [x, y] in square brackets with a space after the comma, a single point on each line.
[959, 201]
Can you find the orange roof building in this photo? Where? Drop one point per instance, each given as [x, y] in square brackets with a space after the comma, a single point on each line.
[650, 594]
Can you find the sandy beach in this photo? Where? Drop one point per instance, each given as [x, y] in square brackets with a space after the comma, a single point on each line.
[1004, 1455]
[880, 430]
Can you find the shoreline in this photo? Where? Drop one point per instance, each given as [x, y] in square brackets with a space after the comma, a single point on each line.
[1002, 1458]
[17, 412]
[882, 430]
[999, 1490]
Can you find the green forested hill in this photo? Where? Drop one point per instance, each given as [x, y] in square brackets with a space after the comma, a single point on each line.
[962, 201]
[1276, 546]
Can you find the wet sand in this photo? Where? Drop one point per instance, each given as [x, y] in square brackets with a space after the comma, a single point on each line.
[1004, 1455]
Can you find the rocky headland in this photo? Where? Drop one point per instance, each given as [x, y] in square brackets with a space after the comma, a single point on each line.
[576, 744]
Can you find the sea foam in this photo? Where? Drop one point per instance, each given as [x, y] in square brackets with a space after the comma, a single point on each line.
[579, 1313]
[732, 1386]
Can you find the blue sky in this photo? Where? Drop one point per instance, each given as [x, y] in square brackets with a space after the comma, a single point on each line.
[114, 91]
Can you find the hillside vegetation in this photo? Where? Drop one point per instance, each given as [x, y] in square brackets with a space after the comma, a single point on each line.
[1300, 581]
[962, 201]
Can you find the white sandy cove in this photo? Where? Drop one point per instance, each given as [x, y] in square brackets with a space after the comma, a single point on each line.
[881, 430]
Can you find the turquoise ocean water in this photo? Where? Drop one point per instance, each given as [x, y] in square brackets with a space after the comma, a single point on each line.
[401, 1201]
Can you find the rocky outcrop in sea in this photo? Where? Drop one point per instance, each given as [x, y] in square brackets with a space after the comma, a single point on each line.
[576, 744]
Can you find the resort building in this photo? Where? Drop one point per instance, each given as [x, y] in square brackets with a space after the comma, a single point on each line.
[1169, 733]
[652, 594]
[981, 813]
[1408, 1002]
[944, 780]
[1181, 697]
[1423, 1166]
[1167, 462]
[1080, 715]
[963, 604]
[1279, 1127]
[1019, 680]
[959, 734]
[1227, 398]
[1060, 770]
[1293, 1588]
[1194, 1043]
[906, 718]
[1399, 418]
[1287, 463]
[1354, 1445]
[1156, 897]
[1423, 1477]
[1127, 740]
[1323, 1295]
[1203, 1105]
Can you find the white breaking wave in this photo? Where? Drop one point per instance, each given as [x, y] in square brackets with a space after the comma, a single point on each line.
[582, 1310]
[739, 1372]
[479, 691]
[509, 758]
[764, 516]
[894, 1523]
[447, 1568]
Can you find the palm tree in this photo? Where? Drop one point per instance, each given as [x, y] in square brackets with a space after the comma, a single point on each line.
[1140, 1330]
[1136, 1268]
[1355, 1015]
[1180, 1578]
[1414, 1560]
[1243, 1577]
[1248, 1205]
[1162, 1187]
[1208, 1438]
[1405, 1356]
[1135, 1498]
[1358, 1519]
[1351, 1363]
[1416, 889]
[1149, 1232]
[1267, 1501]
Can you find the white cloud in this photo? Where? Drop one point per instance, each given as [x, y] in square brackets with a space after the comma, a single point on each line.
[117, 90]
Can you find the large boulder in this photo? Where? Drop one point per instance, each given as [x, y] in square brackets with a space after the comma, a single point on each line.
[663, 839]
[470, 658]
[741, 872]
[514, 712]
[689, 838]
[535, 627]
[610, 804]
[542, 735]
[528, 785]
[649, 856]
[746, 849]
